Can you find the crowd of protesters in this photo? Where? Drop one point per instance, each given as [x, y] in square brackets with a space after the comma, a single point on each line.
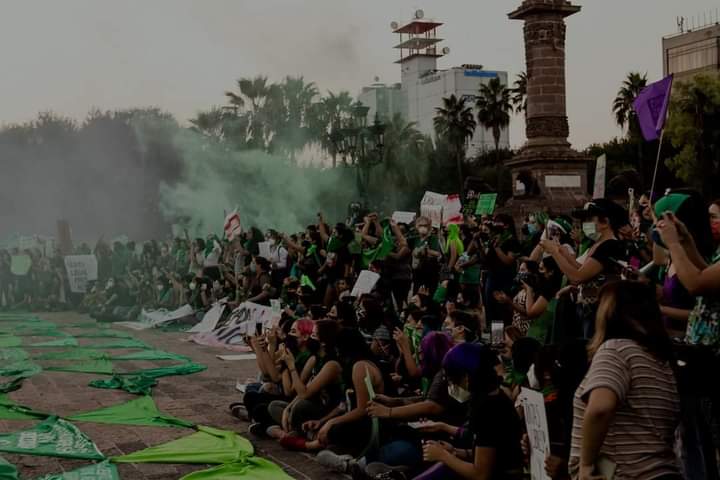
[612, 313]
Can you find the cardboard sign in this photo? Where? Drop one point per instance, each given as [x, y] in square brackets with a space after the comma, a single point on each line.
[538, 434]
[365, 283]
[432, 198]
[404, 217]
[81, 269]
[486, 204]
[233, 227]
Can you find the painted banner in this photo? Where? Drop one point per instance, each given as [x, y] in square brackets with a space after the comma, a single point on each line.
[81, 269]
[538, 434]
[233, 227]
[365, 283]
[600, 176]
[210, 320]
[155, 318]
[245, 320]
[452, 210]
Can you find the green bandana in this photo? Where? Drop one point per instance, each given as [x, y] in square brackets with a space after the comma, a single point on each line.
[140, 411]
[98, 471]
[251, 468]
[53, 437]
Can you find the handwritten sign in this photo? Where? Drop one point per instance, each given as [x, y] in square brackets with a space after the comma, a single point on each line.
[404, 217]
[81, 269]
[486, 204]
[365, 283]
[538, 434]
[433, 212]
[233, 228]
[452, 210]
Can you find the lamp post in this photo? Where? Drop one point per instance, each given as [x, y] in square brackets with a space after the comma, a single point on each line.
[363, 145]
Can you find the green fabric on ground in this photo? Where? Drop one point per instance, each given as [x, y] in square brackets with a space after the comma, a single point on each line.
[151, 355]
[8, 470]
[142, 381]
[135, 384]
[207, 445]
[9, 410]
[26, 332]
[53, 437]
[104, 334]
[251, 468]
[7, 341]
[101, 366]
[12, 385]
[13, 354]
[62, 342]
[140, 411]
[74, 354]
[98, 471]
[121, 343]
[24, 369]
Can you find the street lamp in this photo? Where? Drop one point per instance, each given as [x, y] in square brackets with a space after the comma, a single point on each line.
[363, 145]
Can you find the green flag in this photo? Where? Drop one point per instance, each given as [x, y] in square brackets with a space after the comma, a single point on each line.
[101, 366]
[12, 385]
[486, 204]
[74, 354]
[62, 342]
[306, 282]
[142, 381]
[24, 369]
[152, 355]
[9, 410]
[207, 445]
[53, 437]
[8, 470]
[140, 411]
[381, 251]
[250, 468]
[12, 355]
[104, 334]
[98, 471]
[121, 343]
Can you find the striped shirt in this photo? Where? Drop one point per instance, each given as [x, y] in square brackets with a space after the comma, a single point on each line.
[641, 436]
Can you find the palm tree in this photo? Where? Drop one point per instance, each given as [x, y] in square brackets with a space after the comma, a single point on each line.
[294, 130]
[519, 93]
[494, 109]
[327, 117]
[455, 122]
[253, 91]
[623, 104]
[625, 115]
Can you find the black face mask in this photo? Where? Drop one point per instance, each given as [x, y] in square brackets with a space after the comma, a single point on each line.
[313, 346]
[291, 343]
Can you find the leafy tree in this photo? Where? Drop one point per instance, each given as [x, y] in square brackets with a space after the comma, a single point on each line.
[694, 128]
[455, 123]
[625, 116]
[519, 93]
[494, 109]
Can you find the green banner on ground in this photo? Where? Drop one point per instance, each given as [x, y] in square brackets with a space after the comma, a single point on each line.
[152, 355]
[142, 381]
[99, 471]
[24, 369]
[8, 341]
[9, 410]
[104, 334]
[100, 366]
[53, 437]
[74, 354]
[62, 342]
[207, 445]
[251, 468]
[121, 343]
[13, 355]
[140, 411]
[8, 470]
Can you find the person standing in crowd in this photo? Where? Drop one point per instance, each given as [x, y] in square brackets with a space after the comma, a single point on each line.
[627, 408]
[426, 254]
[502, 253]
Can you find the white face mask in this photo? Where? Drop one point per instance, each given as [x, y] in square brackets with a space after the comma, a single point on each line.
[422, 230]
[458, 393]
[193, 285]
[160, 288]
[253, 267]
[590, 230]
[533, 381]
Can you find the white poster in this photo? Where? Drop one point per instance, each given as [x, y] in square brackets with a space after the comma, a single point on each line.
[600, 174]
[433, 212]
[404, 217]
[154, 318]
[81, 269]
[452, 210]
[365, 283]
[245, 320]
[533, 405]
[264, 250]
[210, 320]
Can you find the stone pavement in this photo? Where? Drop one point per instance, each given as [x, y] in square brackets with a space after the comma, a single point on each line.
[202, 398]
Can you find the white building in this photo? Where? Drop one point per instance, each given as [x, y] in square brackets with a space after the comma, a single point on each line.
[423, 86]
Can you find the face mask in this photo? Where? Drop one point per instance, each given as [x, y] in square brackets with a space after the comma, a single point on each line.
[160, 288]
[532, 229]
[715, 227]
[458, 393]
[253, 267]
[590, 230]
[532, 379]
[193, 285]
[423, 230]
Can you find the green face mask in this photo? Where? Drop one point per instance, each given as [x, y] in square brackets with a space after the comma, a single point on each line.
[590, 230]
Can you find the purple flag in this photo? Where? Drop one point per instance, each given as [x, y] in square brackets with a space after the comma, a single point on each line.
[651, 106]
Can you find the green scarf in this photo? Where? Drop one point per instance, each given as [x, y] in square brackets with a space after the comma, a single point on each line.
[454, 239]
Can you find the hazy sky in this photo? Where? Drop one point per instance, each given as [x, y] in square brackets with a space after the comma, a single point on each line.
[181, 55]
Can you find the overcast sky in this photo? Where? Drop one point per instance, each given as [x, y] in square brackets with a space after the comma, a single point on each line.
[181, 55]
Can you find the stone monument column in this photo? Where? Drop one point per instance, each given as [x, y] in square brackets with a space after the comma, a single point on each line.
[547, 172]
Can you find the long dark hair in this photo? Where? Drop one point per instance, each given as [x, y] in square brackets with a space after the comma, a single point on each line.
[630, 310]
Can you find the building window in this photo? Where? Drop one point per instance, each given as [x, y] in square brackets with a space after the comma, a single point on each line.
[695, 56]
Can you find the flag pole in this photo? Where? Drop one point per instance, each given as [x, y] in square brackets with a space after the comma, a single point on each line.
[657, 162]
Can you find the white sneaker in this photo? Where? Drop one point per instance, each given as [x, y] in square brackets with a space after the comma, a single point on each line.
[333, 461]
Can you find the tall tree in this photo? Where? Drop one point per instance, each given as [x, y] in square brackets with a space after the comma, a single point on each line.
[519, 93]
[327, 118]
[249, 103]
[455, 122]
[625, 115]
[494, 109]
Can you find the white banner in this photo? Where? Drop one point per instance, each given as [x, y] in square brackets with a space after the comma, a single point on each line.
[533, 405]
[210, 320]
[81, 269]
[155, 318]
[245, 320]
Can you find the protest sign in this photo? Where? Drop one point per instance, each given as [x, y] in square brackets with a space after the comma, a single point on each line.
[433, 212]
[20, 264]
[452, 210]
[486, 204]
[600, 174]
[155, 318]
[81, 269]
[264, 250]
[365, 283]
[210, 320]
[538, 435]
[233, 228]
[404, 217]
[243, 321]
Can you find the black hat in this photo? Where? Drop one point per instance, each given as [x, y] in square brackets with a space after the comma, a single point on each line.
[604, 208]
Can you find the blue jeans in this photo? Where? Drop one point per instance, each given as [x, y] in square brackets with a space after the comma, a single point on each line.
[397, 453]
